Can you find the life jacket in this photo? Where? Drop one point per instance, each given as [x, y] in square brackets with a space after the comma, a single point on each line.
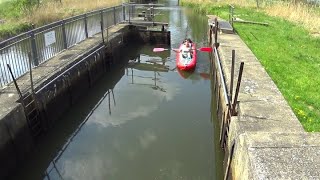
[186, 51]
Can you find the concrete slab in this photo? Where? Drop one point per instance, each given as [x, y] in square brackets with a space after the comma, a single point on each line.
[270, 142]
[262, 106]
[225, 27]
[279, 155]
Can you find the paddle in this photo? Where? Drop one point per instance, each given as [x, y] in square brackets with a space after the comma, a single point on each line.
[204, 49]
[159, 49]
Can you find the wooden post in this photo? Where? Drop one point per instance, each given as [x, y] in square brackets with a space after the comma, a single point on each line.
[232, 75]
[216, 23]
[237, 89]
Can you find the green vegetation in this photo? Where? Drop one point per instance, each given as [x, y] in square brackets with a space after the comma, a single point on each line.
[289, 54]
[10, 14]
[10, 10]
[12, 29]
[15, 8]
[17, 16]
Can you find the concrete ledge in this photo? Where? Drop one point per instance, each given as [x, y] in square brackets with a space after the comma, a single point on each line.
[270, 142]
[277, 156]
[262, 106]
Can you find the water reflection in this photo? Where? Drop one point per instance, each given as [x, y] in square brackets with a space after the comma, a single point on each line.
[148, 71]
[107, 143]
[185, 74]
[154, 64]
[54, 171]
[144, 78]
[146, 123]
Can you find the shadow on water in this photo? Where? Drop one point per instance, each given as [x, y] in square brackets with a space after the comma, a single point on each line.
[48, 147]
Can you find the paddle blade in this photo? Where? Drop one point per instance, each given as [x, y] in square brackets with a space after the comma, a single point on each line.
[206, 49]
[159, 49]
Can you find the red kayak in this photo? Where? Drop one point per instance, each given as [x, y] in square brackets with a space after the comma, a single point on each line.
[186, 62]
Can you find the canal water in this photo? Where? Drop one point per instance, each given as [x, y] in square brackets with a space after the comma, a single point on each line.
[144, 120]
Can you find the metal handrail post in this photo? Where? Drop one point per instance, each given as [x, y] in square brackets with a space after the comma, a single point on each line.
[114, 16]
[101, 19]
[64, 35]
[129, 8]
[34, 49]
[102, 34]
[124, 12]
[221, 75]
[30, 71]
[85, 25]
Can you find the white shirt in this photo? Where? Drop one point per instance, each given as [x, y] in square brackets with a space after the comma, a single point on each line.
[185, 49]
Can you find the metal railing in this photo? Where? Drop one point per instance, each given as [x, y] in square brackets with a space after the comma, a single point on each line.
[225, 97]
[47, 41]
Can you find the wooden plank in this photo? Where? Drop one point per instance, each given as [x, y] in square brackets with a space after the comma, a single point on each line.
[225, 27]
[134, 4]
[251, 22]
[148, 23]
[212, 16]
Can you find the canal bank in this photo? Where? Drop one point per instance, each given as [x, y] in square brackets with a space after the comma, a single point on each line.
[262, 137]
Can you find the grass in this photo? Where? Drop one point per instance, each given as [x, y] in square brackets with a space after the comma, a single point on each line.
[290, 55]
[20, 15]
[11, 29]
[306, 15]
[53, 11]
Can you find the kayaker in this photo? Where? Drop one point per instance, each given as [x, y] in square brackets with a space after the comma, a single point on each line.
[186, 49]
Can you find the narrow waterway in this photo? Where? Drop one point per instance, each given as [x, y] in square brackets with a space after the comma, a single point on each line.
[144, 120]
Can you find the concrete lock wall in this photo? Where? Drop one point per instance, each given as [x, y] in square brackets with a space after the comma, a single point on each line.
[53, 99]
[60, 94]
[61, 89]
[15, 139]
